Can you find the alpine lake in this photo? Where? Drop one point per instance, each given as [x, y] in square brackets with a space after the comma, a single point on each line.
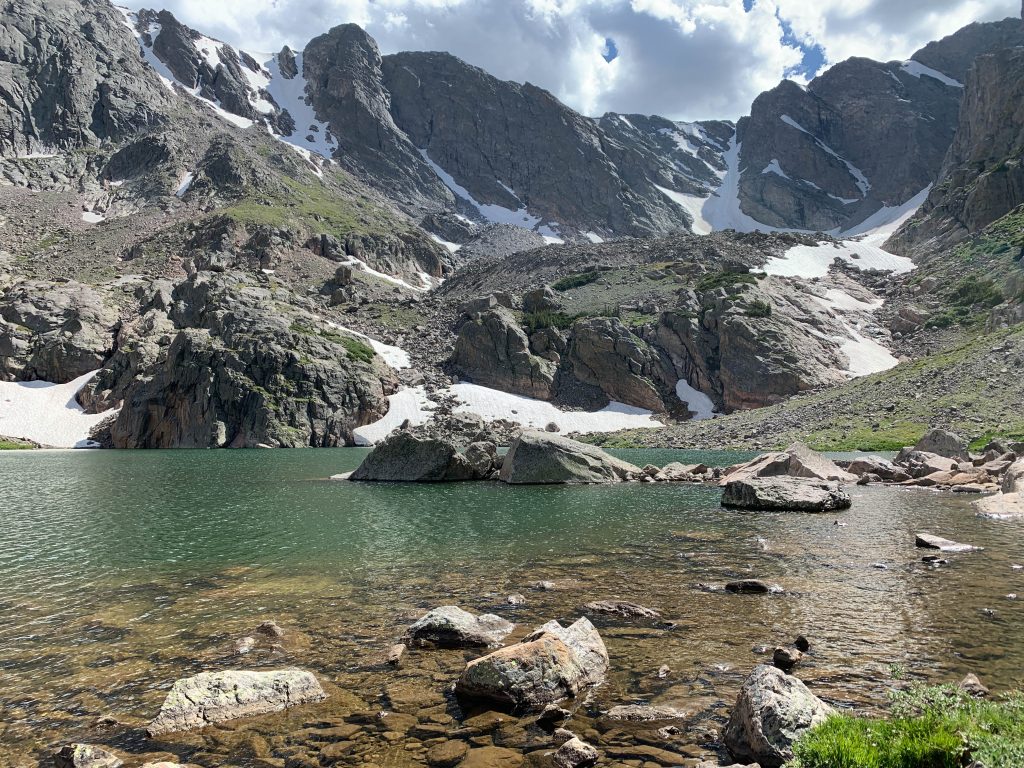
[121, 572]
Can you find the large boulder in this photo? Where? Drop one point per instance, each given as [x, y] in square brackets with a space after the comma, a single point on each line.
[408, 458]
[772, 711]
[539, 458]
[493, 351]
[796, 461]
[922, 463]
[785, 493]
[879, 467]
[214, 697]
[451, 627]
[551, 664]
[942, 442]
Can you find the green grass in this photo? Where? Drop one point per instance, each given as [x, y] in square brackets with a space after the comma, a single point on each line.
[758, 308]
[15, 445]
[725, 279]
[576, 281]
[357, 350]
[929, 727]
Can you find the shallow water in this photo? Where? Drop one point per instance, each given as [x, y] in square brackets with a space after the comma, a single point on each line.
[123, 571]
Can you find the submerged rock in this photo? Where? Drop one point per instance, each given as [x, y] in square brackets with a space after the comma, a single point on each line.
[575, 753]
[540, 458]
[927, 541]
[85, 756]
[407, 458]
[551, 664]
[214, 697]
[643, 713]
[1001, 506]
[784, 493]
[621, 608]
[452, 627]
[772, 711]
[753, 587]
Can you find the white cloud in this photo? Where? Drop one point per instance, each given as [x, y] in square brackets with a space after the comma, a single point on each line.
[685, 59]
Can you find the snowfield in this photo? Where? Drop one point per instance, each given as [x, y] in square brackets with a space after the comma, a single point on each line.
[810, 261]
[411, 404]
[47, 413]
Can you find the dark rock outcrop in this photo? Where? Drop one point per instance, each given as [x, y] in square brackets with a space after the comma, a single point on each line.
[54, 331]
[493, 351]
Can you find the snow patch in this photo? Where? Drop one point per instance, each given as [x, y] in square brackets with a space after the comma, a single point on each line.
[866, 355]
[47, 413]
[841, 301]
[699, 404]
[722, 210]
[888, 219]
[774, 167]
[452, 247]
[858, 176]
[493, 404]
[693, 205]
[310, 133]
[593, 237]
[90, 217]
[184, 185]
[917, 69]
[810, 261]
[409, 405]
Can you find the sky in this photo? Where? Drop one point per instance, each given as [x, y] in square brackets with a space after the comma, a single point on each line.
[683, 59]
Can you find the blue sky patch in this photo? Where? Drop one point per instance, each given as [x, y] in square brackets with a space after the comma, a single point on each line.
[610, 52]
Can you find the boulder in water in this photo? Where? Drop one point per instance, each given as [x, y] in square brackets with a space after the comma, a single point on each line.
[451, 627]
[408, 458]
[796, 461]
[85, 756]
[927, 541]
[784, 494]
[214, 697]
[551, 664]
[540, 458]
[772, 711]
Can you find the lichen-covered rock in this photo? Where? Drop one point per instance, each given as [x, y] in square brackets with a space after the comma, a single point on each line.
[215, 697]
[450, 626]
[785, 494]
[551, 664]
[772, 711]
[404, 457]
[539, 458]
[575, 753]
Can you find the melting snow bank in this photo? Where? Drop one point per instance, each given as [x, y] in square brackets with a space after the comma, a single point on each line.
[407, 404]
[493, 404]
[810, 261]
[47, 413]
[699, 404]
[866, 355]
[396, 357]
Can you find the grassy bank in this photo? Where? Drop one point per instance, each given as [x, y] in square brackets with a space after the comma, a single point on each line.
[929, 727]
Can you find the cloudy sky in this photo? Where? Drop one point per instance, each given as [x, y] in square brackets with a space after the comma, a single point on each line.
[685, 59]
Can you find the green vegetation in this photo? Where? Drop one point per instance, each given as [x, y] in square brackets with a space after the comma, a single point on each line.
[546, 318]
[15, 445]
[357, 350]
[576, 281]
[725, 279]
[758, 308]
[973, 291]
[930, 727]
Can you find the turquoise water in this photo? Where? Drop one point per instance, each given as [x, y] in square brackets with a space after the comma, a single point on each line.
[122, 571]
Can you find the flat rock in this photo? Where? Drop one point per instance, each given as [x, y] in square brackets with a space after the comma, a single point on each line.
[492, 757]
[214, 697]
[450, 626]
[1001, 506]
[540, 458]
[446, 754]
[772, 711]
[753, 587]
[621, 608]
[784, 494]
[643, 713]
[927, 541]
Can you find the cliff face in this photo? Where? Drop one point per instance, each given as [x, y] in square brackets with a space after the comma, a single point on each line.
[982, 177]
[61, 91]
[861, 136]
